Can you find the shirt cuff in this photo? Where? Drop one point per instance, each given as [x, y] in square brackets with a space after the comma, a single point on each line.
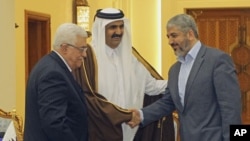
[141, 115]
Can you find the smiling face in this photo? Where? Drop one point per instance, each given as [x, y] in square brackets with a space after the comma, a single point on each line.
[180, 41]
[113, 33]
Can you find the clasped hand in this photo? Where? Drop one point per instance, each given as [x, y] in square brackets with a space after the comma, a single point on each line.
[136, 119]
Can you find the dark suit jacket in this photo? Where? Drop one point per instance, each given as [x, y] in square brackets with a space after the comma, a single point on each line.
[212, 99]
[55, 103]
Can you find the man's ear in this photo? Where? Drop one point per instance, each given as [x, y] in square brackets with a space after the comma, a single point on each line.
[64, 48]
[191, 35]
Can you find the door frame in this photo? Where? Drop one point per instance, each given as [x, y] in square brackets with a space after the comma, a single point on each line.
[44, 20]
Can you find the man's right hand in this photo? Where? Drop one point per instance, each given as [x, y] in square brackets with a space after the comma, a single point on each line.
[136, 119]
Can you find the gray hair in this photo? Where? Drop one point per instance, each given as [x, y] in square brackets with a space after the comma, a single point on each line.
[68, 33]
[184, 22]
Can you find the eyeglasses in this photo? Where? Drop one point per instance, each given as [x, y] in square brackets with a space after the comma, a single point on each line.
[81, 49]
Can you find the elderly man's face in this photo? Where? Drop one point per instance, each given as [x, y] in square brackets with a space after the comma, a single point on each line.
[113, 33]
[75, 53]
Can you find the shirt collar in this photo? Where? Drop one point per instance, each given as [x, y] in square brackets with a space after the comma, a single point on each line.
[110, 50]
[191, 55]
[63, 60]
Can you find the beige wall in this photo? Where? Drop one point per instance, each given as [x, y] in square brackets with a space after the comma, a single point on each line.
[148, 19]
[7, 55]
[146, 29]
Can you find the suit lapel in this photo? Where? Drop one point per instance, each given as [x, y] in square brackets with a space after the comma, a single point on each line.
[193, 73]
[70, 75]
[175, 95]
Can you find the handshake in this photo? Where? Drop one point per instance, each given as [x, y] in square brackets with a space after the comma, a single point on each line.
[136, 118]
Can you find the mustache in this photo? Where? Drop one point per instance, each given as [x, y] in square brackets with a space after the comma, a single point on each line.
[116, 35]
[173, 44]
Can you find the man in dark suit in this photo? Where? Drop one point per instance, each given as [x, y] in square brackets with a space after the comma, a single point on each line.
[202, 87]
[55, 104]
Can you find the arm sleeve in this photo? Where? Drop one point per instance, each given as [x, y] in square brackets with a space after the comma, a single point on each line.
[227, 92]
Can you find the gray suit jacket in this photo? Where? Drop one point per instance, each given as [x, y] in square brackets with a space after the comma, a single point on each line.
[55, 104]
[212, 98]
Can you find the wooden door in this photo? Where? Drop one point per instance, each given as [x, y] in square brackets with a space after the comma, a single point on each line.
[37, 38]
[229, 30]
